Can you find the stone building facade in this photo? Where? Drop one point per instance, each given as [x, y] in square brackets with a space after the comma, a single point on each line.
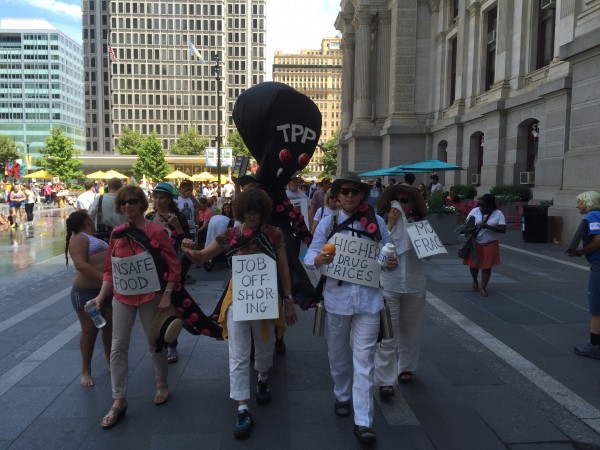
[507, 89]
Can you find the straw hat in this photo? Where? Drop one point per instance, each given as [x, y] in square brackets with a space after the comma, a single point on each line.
[164, 329]
[419, 205]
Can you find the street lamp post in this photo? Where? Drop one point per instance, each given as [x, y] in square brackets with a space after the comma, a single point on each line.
[217, 72]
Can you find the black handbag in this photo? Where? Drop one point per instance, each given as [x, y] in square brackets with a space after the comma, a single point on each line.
[465, 250]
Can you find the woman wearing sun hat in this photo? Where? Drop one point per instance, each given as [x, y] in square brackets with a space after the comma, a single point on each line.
[404, 290]
[352, 308]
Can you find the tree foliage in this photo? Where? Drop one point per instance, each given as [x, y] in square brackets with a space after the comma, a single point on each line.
[9, 151]
[189, 143]
[151, 159]
[59, 157]
[236, 142]
[329, 158]
[129, 142]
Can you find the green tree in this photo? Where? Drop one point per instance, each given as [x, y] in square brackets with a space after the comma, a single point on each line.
[236, 142]
[151, 159]
[129, 142]
[329, 158]
[9, 151]
[59, 158]
[189, 143]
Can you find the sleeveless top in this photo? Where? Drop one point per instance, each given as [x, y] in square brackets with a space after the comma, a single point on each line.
[95, 245]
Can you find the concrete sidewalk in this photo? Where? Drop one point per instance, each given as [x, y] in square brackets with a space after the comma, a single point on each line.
[494, 373]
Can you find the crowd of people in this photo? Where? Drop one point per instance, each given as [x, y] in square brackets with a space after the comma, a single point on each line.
[190, 224]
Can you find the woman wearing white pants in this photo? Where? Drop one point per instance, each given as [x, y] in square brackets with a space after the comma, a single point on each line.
[404, 290]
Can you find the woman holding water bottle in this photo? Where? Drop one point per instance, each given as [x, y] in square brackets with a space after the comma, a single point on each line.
[88, 254]
[403, 289]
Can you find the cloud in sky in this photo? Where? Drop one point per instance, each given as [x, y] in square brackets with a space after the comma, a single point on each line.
[60, 8]
[294, 25]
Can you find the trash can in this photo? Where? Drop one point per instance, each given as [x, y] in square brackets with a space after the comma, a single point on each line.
[535, 223]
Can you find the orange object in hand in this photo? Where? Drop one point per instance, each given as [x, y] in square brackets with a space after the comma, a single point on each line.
[329, 249]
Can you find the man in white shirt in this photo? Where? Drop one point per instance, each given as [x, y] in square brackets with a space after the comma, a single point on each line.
[228, 191]
[110, 218]
[85, 200]
[436, 186]
[352, 308]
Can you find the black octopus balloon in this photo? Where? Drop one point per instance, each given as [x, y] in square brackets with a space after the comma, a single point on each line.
[281, 128]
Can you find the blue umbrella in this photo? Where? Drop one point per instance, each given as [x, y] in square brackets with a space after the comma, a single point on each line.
[380, 173]
[432, 165]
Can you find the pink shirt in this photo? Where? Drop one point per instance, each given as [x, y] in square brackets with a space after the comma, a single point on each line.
[124, 247]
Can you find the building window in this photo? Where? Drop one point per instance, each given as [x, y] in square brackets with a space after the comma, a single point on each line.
[453, 50]
[545, 35]
[490, 58]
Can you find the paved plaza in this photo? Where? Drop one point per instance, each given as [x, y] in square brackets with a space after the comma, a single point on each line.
[495, 373]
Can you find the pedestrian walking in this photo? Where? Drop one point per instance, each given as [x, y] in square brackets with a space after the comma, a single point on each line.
[404, 290]
[588, 203]
[489, 223]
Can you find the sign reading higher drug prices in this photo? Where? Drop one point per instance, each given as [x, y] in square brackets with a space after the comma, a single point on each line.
[135, 275]
[424, 239]
[355, 260]
[254, 287]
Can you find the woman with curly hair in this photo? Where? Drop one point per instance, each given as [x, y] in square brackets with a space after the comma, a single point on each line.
[253, 209]
[88, 254]
[588, 203]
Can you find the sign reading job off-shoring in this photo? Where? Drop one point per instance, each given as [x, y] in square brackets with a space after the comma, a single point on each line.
[355, 260]
[424, 239]
[254, 287]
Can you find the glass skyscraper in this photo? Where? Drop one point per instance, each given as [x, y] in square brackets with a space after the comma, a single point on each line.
[41, 84]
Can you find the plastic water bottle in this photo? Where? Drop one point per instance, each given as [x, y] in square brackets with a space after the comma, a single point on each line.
[95, 315]
[386, 252]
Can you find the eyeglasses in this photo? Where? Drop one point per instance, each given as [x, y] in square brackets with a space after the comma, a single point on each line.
[129, 201]
[404, 200]
[348, 191]
[251, 214]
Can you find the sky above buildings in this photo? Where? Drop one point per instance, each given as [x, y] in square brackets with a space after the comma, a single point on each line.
[292, 25]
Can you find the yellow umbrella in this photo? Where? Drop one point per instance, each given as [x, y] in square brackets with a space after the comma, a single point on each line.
[113, 174]
[96, 174]
[177, 175]
[222, 179]
[203, 176]
[39, 174]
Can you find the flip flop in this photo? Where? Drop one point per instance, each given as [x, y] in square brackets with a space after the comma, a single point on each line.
[162, 395]
[386, 391]
[405, 377]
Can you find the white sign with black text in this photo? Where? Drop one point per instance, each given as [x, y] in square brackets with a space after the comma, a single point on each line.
[355, 260]
[254, 287]
[135, 275]
[424, 239]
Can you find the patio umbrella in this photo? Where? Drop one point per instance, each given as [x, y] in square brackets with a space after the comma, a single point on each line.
[222, 179]
[177, 175]
[203, 176]
[114, 174]
[382, 172]
[39, 174]
[96, 174]
[432, 165]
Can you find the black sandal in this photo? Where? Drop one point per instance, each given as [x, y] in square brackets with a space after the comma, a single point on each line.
[405, 377]
[386, 391]
[343, 409]
[365, 435]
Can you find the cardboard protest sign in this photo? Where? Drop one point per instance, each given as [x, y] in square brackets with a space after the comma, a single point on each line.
[254, 287]
[302, 205]
[424, 239]
[355, 260]
[135, 275]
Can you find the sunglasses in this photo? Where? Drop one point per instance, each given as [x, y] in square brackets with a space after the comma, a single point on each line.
[404, 200]
[129, 201]
[348, 191]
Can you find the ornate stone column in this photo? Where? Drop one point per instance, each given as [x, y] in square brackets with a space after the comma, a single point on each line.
[383, 65]
[362, 67]
[347, 79]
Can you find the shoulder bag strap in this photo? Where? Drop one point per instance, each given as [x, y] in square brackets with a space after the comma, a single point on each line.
[99, 215]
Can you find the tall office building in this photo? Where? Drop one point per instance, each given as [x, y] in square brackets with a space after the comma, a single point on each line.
[41, 84]
[317, 74]
[148, 80]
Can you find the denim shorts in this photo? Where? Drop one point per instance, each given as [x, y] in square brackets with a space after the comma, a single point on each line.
[594, 290]
[80, 296]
